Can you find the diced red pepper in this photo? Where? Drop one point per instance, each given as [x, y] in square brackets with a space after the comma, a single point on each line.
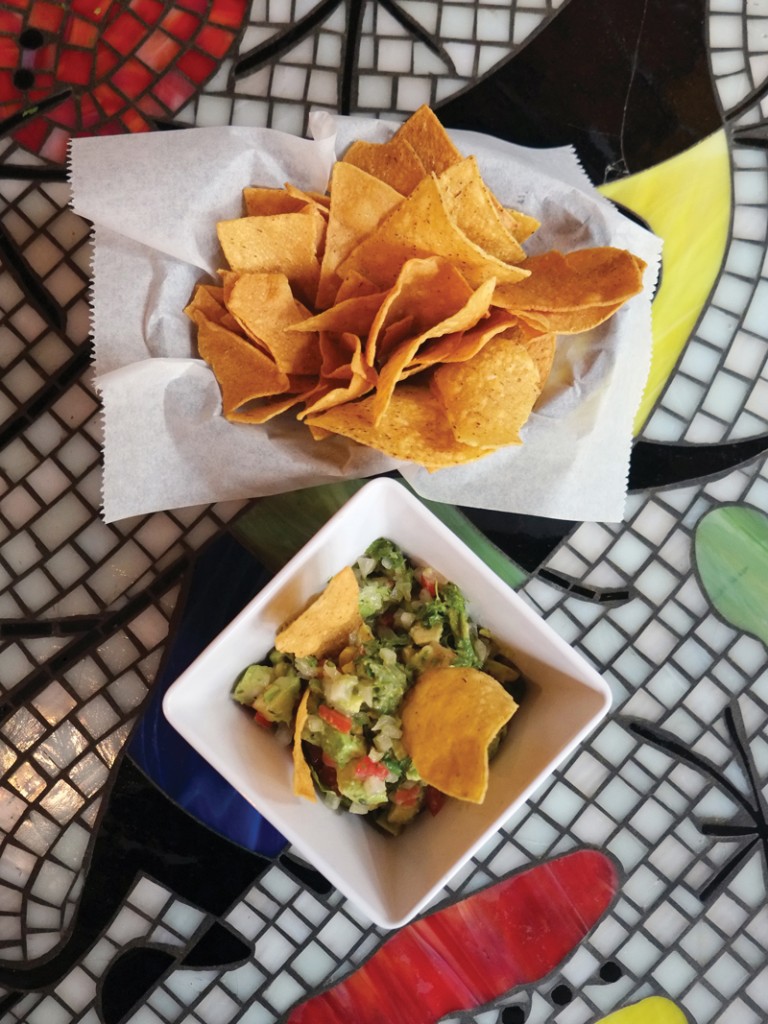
[406, 796]
[335, 718]
[366, 769]
[434, 800]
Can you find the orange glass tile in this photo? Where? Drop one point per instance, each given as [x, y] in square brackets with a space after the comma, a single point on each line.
[134, 121]
[173, 90]
[132, 77]
[215, 40]
[64, 113]
[110, 101]
[180, 24]
[80, 32]
[75, 66]
[46, 16]
[228, 12]
[147, 10]
[197, 65]
[158, 51]
[125, 32]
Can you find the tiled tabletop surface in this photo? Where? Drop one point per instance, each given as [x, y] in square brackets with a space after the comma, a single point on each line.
[116, 903]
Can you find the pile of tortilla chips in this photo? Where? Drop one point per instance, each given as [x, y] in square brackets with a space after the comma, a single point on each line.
[400, 310]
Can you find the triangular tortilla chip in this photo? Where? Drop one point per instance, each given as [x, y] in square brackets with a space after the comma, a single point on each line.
[324, 627]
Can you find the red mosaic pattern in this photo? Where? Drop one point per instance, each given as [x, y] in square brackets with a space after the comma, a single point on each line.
[116, 66]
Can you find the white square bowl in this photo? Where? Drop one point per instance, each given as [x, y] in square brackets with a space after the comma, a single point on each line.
[389, 878]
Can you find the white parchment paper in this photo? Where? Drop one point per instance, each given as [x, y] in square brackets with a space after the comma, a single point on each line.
[154, 201]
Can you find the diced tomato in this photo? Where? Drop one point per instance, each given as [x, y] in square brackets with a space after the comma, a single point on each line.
[434, 799]
[406, 796]
[262, 720]
[366, 769]
[427, 581]
[335, 718]
[327, 760]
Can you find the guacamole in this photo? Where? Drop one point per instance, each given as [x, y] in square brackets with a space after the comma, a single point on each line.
[410, 621]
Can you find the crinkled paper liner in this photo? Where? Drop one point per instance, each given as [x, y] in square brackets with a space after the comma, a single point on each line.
[154, 200]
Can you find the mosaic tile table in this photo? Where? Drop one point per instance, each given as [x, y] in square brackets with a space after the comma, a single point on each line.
[133, 886]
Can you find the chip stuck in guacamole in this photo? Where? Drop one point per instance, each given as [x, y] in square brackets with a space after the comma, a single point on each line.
[400, 311]
[392, 696]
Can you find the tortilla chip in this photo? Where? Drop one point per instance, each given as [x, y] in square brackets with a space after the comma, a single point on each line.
[303, 784]
[324, 627]
[467, 315]
[427, 291]
[396, 162]
[450, 716]
[419, 227]
[264, 306]
[541, 348]
[282, 242]
[472, 207]
[359, 202]
[489, 398]
[242, 370]
[432, 144]
[413, 428]
[600, 276]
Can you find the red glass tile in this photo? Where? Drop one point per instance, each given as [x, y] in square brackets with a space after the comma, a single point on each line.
[180, 24]
[64, 113]
[21, 4]
[32, 134]
[151, 107]
[215, 40]
[106, 60]
[125, 32]
[158, 51]
[46, 58]
[46, 16]
[9, 53]
[90, 115]
[8, 90]
[45, 85]
[197, 65]
[132, 77]
[75, 66]
[173, 90]
[80, 32]
[199, 6]
[110, 101]
[227, 12]
[11, 23]
[111, 127]
[147, 10]
[93, 10]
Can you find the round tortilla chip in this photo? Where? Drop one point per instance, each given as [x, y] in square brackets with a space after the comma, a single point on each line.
[449, 717]
[488, 398]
